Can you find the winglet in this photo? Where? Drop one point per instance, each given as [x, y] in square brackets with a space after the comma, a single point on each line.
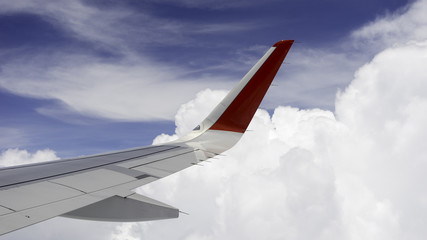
[224, 126]
[240, 111]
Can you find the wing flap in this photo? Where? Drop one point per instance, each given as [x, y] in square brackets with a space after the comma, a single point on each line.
[132, 208]
[17, 220]
[24, 205]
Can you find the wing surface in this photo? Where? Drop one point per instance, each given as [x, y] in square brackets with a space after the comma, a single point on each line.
[99, 187]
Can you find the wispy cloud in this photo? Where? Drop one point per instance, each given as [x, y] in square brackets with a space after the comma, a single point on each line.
[211, 4]
[407, 24]
[11, 137]
[314, 75]
[125, 88]
[117, 26]
[127, 91]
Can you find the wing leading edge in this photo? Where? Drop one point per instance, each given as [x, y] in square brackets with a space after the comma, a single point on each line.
[100, 187]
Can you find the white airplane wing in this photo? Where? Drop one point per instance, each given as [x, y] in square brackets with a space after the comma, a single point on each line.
[99, 187]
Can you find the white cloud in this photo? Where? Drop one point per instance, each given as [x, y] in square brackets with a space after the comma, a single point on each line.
[192, 113]
[315, 74]
[124, 231]
[14, 156]
[81, 20]
[304, 174]
[127, 88]
[127, 91]
[407, 24]
[118, 27]
[386, 106]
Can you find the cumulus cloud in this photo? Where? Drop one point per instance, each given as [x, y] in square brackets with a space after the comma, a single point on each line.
[304, 174]
[386, 107]
[15, 156]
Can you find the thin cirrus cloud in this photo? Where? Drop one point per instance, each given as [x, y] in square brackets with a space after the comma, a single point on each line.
[408, 24]
[117, 27]
[121, 88]
[313, 76]
[210, 4]
[91, 87]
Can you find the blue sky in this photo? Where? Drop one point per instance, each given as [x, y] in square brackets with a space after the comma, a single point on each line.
[212, 43]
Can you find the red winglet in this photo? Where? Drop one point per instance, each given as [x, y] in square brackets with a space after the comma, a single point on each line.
[239, 113]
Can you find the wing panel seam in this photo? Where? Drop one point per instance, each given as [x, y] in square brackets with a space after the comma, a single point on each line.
[69, 187]
[158, 160]
[85, 169]
[91, 156]
[8, 209]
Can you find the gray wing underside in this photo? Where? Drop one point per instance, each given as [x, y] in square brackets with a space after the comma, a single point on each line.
[96, 187]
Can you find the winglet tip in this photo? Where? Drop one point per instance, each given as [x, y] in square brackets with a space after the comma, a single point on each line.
[283, 42]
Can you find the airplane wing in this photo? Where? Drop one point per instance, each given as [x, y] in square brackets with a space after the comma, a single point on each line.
[99, 187]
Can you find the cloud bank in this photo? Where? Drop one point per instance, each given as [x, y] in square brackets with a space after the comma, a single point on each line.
[304, 174]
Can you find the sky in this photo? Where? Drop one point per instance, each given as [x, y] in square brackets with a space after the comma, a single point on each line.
[335, 151]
